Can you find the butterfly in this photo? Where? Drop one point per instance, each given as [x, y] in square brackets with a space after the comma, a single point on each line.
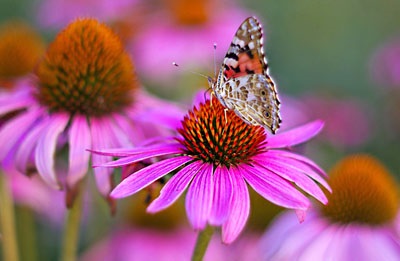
[243, 83]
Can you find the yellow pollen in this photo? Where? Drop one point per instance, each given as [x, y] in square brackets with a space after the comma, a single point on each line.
[210, 136]
[363, 192]
[86, 70]
[190, 12]
[20, 49]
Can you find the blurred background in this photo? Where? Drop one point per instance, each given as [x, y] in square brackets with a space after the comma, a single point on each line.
[334, 60]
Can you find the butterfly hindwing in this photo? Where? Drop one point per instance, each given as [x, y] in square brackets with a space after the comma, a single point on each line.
[253, 100]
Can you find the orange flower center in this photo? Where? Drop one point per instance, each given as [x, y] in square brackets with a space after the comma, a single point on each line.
[190, 12]
[86, 70]
[220, 137]
[363, 192]
[20, 49]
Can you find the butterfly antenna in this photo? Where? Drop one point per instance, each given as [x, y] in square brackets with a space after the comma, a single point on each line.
[215, 60]
[199, 74]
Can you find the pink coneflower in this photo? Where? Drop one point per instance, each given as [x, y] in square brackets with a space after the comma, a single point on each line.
[214, 158]
[360, 222]
[86, 95]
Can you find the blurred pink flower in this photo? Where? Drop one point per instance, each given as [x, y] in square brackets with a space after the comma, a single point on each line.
[145, 244]
[166, 38]
[71, 106]
[346, 120]
[59, 13]
[216, 156]
[360, 222]
[385, 64]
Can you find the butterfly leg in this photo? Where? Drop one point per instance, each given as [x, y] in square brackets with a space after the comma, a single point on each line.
[226, 119]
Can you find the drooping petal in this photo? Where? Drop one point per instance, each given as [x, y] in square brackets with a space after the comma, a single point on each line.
[295, 136]
[174, 188]
[294, 175]
[125, 152]
[144, 177]
[274, 188]
[26, 148]
[239, 208]
[46, 148]
[100, 140]
[12, 132]
[79, 141]
[169, 150]
[199, 197]
[9, 103]
[120, 137]
[223, 192]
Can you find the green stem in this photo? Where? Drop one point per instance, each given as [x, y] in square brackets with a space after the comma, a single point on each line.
[7, 221]
[203, 239]
[27, 234]
[71, 228]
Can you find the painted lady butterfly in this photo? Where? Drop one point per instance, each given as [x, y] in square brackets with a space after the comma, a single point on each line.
[243, 84]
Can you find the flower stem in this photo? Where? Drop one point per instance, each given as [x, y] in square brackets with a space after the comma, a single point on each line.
[71, 228]
[203, 239]
[7, 221]
[27, 234]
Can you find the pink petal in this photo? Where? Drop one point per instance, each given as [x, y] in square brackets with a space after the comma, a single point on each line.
[199, 197]
[239, 208]
[46, 148]
[303, 163]
[127, 126]
[120, 137]
[223, 193]
[101, 139]
[174, 188]
[27, 146]
[139, 157]
[144, 177]
[12, 132]
[295, 136]
[9, 103]
[125, 152]
[274, 188]
[292, 174]
[79, 142]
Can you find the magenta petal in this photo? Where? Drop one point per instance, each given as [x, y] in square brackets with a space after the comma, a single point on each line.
[274, 188]
[79, 141]
[199, 197]
[295, 136]
[139, 157]
[239, 208]
[144, 177]
[101, 139]
[9, 103]
[125, 152]
[304, 162]
[46, 148]
[26, 148]
[223, 192]
[174, 188]
[295, 175]
[12, 132]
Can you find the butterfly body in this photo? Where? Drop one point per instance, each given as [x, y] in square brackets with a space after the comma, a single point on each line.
[243, 83]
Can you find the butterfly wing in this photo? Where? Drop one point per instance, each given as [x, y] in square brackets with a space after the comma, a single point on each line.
[254, 100]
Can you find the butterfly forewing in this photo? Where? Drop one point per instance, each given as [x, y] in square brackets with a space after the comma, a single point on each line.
[243, 83]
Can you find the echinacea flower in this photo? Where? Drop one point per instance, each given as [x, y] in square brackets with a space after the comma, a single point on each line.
[214, 158]
[86, 96]
[20, 50]
[360, 222]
